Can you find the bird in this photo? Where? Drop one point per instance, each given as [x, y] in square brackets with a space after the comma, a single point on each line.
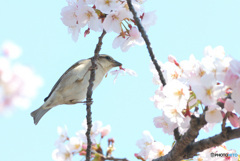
[71, 87]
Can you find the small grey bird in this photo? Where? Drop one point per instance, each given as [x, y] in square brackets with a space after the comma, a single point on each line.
[71, 88]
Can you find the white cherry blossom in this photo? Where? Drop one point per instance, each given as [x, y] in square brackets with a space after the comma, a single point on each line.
[208, 91]
[106, 6]
[213, 114]
[87, 16]
[114, 19]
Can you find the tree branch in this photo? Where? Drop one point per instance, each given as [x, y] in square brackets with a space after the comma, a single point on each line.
[213, 141]
[179, 148]
[89, 95]
[145, 37]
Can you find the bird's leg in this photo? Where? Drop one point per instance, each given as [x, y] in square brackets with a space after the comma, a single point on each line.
[88, 102]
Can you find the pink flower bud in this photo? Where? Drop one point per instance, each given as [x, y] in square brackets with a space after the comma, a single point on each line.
[111, 141]
[105, 130]
[136, 155]
[172, 59]
[233, 120]
[84, 146]
[229, 105]
[82, 153]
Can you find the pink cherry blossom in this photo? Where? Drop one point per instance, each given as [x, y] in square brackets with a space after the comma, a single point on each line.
[105, 130]
[233, 73]
[229, 105]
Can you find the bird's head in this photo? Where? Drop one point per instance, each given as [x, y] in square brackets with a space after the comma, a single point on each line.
[107, 62]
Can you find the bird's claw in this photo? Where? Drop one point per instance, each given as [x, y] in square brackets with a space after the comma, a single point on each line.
[88, 102]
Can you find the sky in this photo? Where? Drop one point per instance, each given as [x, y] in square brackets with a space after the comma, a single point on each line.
[182, 28]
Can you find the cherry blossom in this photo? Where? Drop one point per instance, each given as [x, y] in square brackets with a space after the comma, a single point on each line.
[178, 92]
[208, 92]
[213, 114]
[67, 147]
[150, 149]
[106, 6]
[233, 118]
[75, 144]
[144, 143]
[113, 20]
[63, 153]
[165, 123]
[105, 130]
[18, 83]
[87, 16]
[157, 150]
[108, 15]
[148, 19]
[122, 71]
[229, 105]
[95, 131]
[63, 135]
[193, 84]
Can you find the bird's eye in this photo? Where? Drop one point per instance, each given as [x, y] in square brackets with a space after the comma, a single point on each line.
[108, 58]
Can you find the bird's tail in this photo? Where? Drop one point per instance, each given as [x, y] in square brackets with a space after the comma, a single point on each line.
[38, 114]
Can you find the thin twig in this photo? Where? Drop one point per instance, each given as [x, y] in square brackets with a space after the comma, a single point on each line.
[224, 122]
[89, 95]
[115, 159]
[145, 37]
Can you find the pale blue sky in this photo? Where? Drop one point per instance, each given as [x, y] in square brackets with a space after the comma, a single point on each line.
[183, 28]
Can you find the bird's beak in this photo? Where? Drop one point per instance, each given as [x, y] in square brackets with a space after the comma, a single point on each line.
[116, 63]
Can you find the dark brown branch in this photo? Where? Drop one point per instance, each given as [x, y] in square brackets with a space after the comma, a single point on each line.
[179, 148]
[224, 121]
[213, 141]
[145, 37]
[177, 135]
[114, 159]
[89, 95]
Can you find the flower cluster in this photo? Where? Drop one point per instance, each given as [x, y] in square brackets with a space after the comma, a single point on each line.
[18, 83]
[108, 15]
[150, 149]
[67, 146]
[211, 85]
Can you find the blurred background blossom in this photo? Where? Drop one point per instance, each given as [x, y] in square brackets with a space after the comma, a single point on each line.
[18, 83]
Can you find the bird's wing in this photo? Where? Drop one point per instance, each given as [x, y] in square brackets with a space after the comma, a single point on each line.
[77, 64]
